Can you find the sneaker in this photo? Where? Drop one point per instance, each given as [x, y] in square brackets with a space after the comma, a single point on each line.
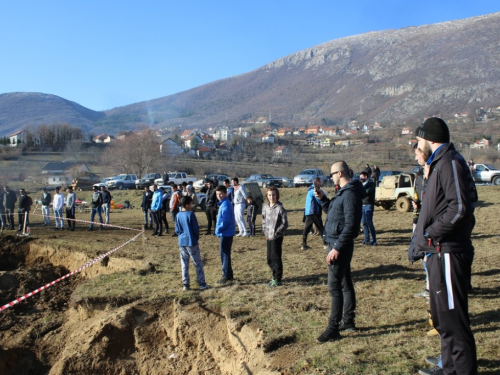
[431, 371]
[185, 287]
[223, 280]
[239, 235]
[274, 283]
[305, 247]
[347, 326]
[433, 332]
[174, 235]
[90, 229]
[246, 235]
[364, 242]
[434, 361]
[207, 233]
[373, 243]
[329, 335]
[204, 287]
[422, 294]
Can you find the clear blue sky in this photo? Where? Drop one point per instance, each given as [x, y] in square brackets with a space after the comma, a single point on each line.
[104, 54]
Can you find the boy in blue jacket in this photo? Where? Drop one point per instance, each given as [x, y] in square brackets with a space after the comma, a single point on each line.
[225, 229]
[188, 232]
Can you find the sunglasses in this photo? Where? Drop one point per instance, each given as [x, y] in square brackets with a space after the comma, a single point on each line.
[333, 173]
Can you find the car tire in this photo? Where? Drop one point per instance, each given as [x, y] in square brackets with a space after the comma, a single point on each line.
[403, 204]
[496, 180]
[137, 187]
[119, 187]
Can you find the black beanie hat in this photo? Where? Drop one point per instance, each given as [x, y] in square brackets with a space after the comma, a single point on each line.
[434, 129]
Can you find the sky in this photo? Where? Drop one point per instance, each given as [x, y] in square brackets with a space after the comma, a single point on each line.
[105, 54]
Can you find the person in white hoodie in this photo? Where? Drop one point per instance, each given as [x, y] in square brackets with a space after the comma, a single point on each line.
[240, 202]
[57, 205]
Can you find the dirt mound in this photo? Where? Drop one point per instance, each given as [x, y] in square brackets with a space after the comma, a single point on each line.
[45, 335]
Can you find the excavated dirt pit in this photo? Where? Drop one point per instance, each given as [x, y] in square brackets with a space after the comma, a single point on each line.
[45, 334]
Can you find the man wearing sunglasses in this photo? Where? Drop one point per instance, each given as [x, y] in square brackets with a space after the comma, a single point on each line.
[341, 228]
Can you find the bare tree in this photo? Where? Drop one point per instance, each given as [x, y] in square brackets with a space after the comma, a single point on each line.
[137, 154]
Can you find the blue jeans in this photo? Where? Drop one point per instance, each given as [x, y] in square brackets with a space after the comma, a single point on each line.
[192, 252]
[97, 210]
[46, 214]
[367, 221]
[225, 257]
[59, 218]
[105, 209]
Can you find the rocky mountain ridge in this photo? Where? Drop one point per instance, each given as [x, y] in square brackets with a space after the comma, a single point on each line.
[384, 76]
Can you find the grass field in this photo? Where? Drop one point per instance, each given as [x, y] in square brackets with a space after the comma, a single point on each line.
[392, 330]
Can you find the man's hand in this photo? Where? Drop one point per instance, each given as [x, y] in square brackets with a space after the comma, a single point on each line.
[332, 256]
[318, 193]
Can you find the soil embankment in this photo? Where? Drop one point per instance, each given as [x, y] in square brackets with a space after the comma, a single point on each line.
[46, 334]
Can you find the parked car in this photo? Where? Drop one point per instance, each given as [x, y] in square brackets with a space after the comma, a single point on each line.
[253, 190]
[486, 173]
[265, 180]
[147, 180]
[307, 176]
[103, 182]
[286, 182]
[177, 178]
[219, 177]
[122, 181]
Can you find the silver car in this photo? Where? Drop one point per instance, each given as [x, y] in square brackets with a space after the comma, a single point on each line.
[307, 176]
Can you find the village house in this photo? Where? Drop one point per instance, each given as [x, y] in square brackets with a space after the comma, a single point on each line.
[187, 133]
[313, 130]
[190, 142]
[124, 134]
[170, 148]
[281, 151]
[22, 137]
[60, 173]
[481, 143]
[223, 134]
[405, 131]
[268, 138]
[103, 138]
[203, 151]
[326, 143]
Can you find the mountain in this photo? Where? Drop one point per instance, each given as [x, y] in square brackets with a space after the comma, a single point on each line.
[384, 76]
[20, 109]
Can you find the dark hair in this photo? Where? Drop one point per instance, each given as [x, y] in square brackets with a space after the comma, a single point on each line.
[364, 173]
[250, 197]
[174, 186]
[235, 179]
[273, 188]
[184, 183]
[185, 200]
[226, 181]
[221, 188]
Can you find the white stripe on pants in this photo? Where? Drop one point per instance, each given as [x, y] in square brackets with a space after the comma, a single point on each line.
[239, 209]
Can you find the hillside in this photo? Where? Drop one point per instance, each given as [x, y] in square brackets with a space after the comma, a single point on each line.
[20, 109]
[385, 76]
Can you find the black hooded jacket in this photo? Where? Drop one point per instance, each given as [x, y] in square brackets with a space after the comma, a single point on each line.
[447, 214]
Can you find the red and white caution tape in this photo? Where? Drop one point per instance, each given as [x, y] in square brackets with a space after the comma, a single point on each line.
[20, 299]
[89, 222]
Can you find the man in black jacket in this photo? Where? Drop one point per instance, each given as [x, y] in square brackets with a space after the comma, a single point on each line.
[368, 208]
[10, 204]
[210, 204]
[147, 198]
[2, 211]
[96, 206]
[341, 228]
[23, 210]
[46, 200]
[444, 232]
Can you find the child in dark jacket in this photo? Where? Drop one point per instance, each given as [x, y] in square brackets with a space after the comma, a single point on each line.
[188, 232]
[251, 215]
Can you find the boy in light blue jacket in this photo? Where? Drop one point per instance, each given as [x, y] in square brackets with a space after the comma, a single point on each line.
[188, 232]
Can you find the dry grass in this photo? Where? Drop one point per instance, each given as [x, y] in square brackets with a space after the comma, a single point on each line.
[390, 339]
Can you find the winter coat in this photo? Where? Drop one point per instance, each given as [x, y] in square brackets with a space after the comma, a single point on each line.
[187, 229]
[343, 216]
[313, 204]
[226, 224]
[447, 214]
[274, 221]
